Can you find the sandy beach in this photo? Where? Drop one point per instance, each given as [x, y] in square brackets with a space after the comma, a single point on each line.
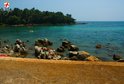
[35, 71]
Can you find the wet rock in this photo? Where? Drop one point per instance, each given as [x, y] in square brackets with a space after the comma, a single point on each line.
[92, 58]
[65, 58]
[74, 58]
[27, 41]
[5, 41]
[6, 49]
[23, 51]
[7, 46]
[37, 43]
[73, 53]
[43, 55]
[60, 49]
[37, 51]
[17, 48]
[46, 53]
[83, 55]
[66, 44]
[20, 48]
[57, 57]
[43, 42]
[18, 41]
[11, 52]
[116, 57]
[121, 60]
[0, 43]
[98, 46]
[73, 48]
[50, 43]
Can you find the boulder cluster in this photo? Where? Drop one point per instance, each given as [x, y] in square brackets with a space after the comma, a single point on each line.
[74, 53]
[19, 49]
[42, 49]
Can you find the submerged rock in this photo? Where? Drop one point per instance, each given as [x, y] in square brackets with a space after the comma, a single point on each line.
[98, 46]
[116, 57]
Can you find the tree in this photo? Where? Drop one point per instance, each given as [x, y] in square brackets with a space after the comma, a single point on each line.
[34, 16]
[13, 20]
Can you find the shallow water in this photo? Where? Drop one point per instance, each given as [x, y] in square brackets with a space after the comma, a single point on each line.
[85, 36]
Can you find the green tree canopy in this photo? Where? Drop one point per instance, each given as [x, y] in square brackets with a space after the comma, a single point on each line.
[34, 16]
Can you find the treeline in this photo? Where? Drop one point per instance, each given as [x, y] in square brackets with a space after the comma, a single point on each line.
[33, 16]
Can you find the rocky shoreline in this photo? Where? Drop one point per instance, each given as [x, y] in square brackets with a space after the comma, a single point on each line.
[43, 50]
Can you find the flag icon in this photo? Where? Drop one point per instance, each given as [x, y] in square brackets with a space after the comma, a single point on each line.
[6, 4]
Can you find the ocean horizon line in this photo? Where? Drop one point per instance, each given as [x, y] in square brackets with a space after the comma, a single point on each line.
[99, 21]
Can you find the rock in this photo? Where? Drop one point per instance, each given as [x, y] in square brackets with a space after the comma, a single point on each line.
[5, 50]
[92, 58]
[121, 60]
[116, 57]
[0, 43]
[11, 52]
[73, 48]
[4, 41]
[65, 58]
[18, 41]
[7, 46]
[50, 43]
[74, 58]
[98, 46]
[66, 44]
[50, 57]
[37, 51]
[57, 57]
[83, 55]
[17, 48]
[27, 41]
[23, 51]
[36, 43]
[43, 42]
[60, 49]
[73, 53]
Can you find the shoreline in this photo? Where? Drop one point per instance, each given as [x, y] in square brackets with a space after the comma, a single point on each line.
[32, 60]
[25, 25]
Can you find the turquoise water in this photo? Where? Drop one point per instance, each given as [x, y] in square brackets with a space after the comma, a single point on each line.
[85, 36]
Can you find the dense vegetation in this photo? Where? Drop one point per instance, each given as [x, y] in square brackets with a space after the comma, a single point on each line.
[33, 16]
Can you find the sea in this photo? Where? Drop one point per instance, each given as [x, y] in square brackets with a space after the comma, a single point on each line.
[109, 34]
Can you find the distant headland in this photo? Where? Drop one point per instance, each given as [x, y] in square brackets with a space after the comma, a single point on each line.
[33, 16]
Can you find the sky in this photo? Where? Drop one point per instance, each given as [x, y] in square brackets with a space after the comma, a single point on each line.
[81, 10]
